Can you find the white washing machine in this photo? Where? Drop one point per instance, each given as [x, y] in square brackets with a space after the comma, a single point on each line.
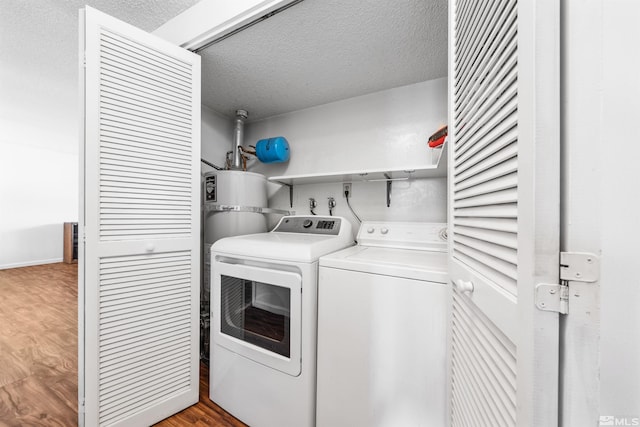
[382, 313]
[264, 319]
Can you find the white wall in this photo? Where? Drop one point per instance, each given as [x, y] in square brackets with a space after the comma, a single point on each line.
[217, 134]
[38, 149]
[620, 233]
[382, 130]
[38, 193]
[601, 106]
[415, 200]
[39, 119]
[387, 129]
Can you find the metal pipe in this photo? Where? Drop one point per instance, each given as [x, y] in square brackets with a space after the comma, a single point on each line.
[238, 135]
[218, 168]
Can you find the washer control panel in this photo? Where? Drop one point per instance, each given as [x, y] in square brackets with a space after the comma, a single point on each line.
[409, 235]
[325, 225]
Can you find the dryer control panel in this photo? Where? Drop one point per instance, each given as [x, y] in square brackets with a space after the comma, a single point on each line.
[324, 225]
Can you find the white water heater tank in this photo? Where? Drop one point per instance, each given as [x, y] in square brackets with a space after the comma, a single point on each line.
[232, 201]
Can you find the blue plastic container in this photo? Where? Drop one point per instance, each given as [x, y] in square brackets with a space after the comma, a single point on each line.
[273, 150]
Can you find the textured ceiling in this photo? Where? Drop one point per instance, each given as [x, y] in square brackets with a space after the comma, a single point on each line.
[321, 51]
[39, 57]
[43, 35]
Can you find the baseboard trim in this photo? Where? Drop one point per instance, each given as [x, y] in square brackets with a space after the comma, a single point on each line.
[30, 263]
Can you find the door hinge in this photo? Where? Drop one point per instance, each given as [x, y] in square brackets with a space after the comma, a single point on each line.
[579, 267]
[574, 267]
[552, 297]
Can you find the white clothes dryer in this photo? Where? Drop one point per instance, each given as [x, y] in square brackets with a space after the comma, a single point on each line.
[382, 313]
[264, 319]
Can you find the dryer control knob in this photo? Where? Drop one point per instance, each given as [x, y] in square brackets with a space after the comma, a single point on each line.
[307, 223]
[370, 230]
[384, 230]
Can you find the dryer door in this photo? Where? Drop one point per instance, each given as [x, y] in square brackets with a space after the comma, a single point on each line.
[257, 313]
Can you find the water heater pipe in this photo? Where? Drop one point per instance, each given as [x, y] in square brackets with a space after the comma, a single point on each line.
[238, 136]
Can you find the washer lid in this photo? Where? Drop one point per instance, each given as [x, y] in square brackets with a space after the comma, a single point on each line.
[412, 264]
[288, 245]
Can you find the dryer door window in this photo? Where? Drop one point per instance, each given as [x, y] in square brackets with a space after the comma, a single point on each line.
[257, 313]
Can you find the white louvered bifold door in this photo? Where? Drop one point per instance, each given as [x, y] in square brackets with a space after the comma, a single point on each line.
[139, 266]
[503, 210]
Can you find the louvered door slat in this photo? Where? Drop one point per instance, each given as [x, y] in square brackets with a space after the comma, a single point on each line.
[502, 210]
[128, 122]
[509, 240]
[492, 257]
[470, 391]
[497, 224]
[488, 161]
[498, 406]
[497, 88]
[135, 104]
[123, 357]
[481, 385]
[111, 92]
[154, 57]
[142, 151]
[116, 56]
[125, 161]
[492, 102]
[488, 379]
[111, 176]
[140, 364]
[141, 256]
[124, 388]
[124, 189]
[490, 341]
[466, 10]
[488, 185]
[170, 124]
[470, 34]
[144, 140]
[119, 60]
[478, 28]
[148, 176]
[112, 79]
[494, 126]
[485, 191]
[496, 198]
[144, 143]
[145, 317]
[121, 72]
[495, 50]
[473, 59]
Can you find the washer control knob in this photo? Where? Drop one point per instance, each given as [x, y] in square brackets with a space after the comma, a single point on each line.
[384, 230]
[370, 230]
[307, 223]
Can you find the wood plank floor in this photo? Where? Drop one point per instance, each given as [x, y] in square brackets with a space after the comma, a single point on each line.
[39, 348]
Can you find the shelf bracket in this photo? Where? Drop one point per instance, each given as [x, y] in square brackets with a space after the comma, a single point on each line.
[389, 181]
[290, 191]
[290, 195]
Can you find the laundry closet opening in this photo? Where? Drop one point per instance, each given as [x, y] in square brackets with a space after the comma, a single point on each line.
[355, 88]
